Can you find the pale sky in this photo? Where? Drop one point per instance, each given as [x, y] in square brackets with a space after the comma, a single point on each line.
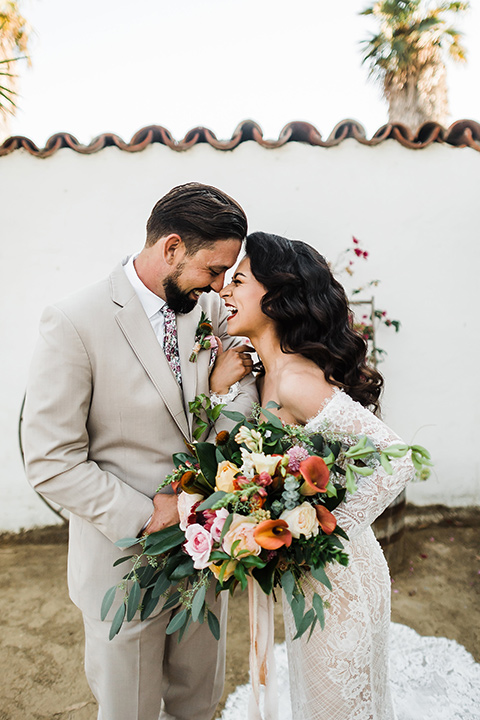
[116, 66]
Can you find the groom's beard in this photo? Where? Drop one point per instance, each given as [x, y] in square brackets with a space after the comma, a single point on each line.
[177, 299]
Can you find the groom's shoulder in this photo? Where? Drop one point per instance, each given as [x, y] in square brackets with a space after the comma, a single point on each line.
[92, 299]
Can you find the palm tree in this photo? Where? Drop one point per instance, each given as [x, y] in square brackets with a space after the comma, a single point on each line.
[14, 36]
[407, 56]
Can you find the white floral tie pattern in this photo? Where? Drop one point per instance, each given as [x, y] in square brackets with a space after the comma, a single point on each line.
[170, 342]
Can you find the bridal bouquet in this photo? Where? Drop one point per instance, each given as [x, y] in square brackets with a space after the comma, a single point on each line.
[255, 504]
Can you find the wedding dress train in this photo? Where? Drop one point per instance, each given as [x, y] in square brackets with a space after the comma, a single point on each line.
[432, 678]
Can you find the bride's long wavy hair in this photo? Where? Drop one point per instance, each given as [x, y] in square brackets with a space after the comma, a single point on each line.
[311, 312]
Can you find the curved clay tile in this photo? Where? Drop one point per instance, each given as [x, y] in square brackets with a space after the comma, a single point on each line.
[463, 133]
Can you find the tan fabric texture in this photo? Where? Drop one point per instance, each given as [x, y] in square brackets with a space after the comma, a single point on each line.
[103, 415]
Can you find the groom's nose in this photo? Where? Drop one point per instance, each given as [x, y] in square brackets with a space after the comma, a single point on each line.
[217, 284]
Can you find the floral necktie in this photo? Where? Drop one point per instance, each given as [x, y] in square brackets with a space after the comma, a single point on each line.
[170, 342]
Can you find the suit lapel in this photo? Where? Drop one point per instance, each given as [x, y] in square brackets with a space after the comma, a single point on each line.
[140, 335]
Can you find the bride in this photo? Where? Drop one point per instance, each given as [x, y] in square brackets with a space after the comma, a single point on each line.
[284, 298]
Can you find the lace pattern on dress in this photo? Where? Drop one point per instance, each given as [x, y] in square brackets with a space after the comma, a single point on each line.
[341, 673]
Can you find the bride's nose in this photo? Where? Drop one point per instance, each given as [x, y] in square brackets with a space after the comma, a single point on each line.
[226, 291]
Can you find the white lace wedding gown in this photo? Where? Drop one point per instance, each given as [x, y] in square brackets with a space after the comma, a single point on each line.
[342, 672]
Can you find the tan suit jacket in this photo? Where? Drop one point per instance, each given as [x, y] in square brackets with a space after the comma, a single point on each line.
[103, 416]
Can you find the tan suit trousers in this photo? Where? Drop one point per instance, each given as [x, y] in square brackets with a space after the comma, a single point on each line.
[129, 676]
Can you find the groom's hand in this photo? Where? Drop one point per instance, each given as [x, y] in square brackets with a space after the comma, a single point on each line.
[230, 367]
[165, 513]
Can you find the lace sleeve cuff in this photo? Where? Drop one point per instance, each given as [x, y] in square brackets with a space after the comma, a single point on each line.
[225, 399]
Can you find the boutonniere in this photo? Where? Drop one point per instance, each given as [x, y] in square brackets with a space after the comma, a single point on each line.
[204, 337]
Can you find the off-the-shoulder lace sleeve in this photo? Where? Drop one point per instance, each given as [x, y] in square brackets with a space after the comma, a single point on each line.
[346, 420]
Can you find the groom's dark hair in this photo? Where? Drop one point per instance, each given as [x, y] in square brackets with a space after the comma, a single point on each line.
[199, 214]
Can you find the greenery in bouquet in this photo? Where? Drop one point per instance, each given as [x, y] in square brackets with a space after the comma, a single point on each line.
[256, 503]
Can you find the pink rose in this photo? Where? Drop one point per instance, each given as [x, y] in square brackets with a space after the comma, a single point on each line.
[241, 529]
[185, 505]
[218, 523]
[199, 545]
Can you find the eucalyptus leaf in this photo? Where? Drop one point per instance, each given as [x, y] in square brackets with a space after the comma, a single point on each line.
[177, 622]
[171, 601]
[145, 574]
[133, 600]
[320, 575]
[149, 604]
[183, 569]
[272, 419]
[161, 585]
[305, 623]
[107, 601]
[288, 584]
[297, 605]
[211, 500]
[235, 416]
[127, 542]
[122, 560]
[117, 621]
[184, 629]
[317, 603]
[164, 540]
[198, 602]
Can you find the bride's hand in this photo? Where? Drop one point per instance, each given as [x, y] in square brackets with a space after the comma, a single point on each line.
[230, 366]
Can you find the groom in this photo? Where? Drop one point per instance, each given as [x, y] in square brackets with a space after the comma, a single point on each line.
[107, 405]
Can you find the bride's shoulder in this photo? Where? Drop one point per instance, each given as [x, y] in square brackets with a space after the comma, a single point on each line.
[302, 391]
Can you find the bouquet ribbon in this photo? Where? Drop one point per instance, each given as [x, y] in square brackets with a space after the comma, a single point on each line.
[262, 659]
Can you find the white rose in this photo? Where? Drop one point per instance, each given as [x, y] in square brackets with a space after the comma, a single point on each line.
[302, 520]
[185, 502]
[265, 463]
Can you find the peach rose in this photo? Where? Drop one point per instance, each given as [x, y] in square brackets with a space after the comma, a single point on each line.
[226, 472]
[242, 529]
[302, 520]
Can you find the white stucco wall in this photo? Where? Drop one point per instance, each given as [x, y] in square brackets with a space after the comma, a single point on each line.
[67, 220]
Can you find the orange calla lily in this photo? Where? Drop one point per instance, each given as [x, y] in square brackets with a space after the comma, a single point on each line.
[272, 534]
[316, 475]
[326, 520]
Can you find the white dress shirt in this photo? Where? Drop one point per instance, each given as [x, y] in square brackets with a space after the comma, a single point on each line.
[151, 303]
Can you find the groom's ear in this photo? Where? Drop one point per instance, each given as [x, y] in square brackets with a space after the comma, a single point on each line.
[173, 249]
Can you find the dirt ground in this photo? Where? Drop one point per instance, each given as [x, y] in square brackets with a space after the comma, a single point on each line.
[41, 660]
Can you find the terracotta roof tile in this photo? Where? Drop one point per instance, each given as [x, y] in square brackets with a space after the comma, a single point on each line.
[463, 133]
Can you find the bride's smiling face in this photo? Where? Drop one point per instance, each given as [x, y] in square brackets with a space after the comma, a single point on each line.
[242, 298]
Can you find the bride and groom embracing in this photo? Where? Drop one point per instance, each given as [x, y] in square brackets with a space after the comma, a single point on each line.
[107, 404]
